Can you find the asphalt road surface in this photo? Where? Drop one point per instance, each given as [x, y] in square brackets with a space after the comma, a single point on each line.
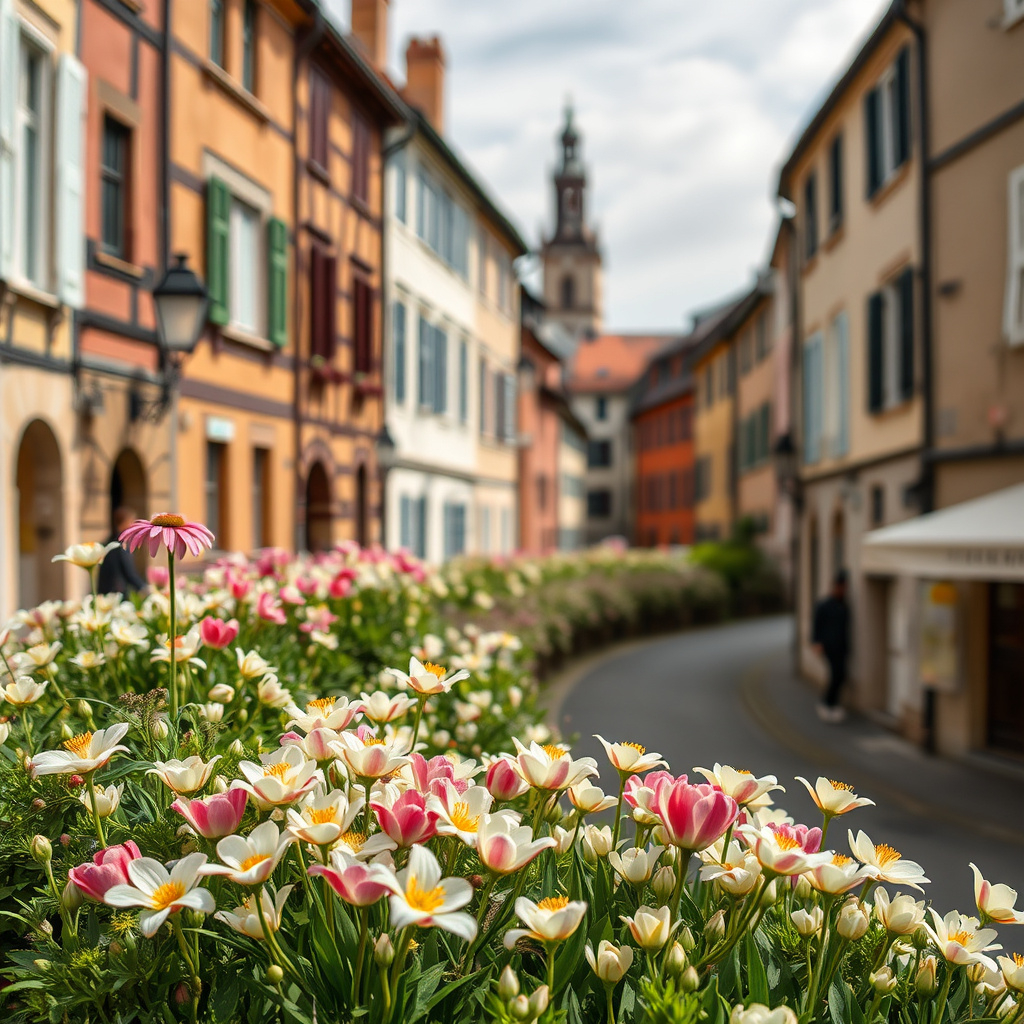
[713, 694]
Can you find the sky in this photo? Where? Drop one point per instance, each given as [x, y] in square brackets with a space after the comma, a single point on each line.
[687, 109]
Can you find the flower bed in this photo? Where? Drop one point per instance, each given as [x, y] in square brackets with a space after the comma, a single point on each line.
[321, 804]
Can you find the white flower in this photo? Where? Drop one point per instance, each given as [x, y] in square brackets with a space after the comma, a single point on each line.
[88, 555]
[961, 940]
[505, 846]
[212, 711]
[335, 713]
[421, 897]
[88, 660]
[758, 1013]
[270, 692]
[650, 927]
[245, 919]
[833, 797]
[185, 649]
[129, 634]
[162, 892]
[36, 657]
[630, 758]
[460, 813]
[737, 872]
[635, 865]
[743, 786]
[551, 767]
[221, 693]
[324, 817]
[369, 758]
[428, 678]
[884, 863]
[251, 665]
[902, 916]
[611, 963]
[551, 920]
[808, 922]
[281, 778]
[1013, 971]
[854, 920]
[381, 708]
[22, 691]
[588, 799]
[81, 754]
[106, 799]
[250, 860]
[596, 842]
[839, 875]
[185, 777]
[996, 902]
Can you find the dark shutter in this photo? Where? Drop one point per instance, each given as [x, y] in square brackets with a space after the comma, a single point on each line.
[218, 219]
[360, 159]
[835, 186]
[330, 303]
[362, 320]
[440, 370]
[876, 353]
[319, 103]
[398, 350]
[906, 290]
[872, 124]
[426, 361]
[316, 302]
[499, 406]
[902, 126]
[277, 274]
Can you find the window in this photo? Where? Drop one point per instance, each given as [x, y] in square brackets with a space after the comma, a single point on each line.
[216, 464]
[249, 46]
[891, 344]
[412, 534]
[504, 283]
[837, 387]
[568, 292]
[323, 283]
[810, 216]
[244, 262]
[362, 322]
[709, 386]
[505, 407]
[400, 183]
[114, 187]
[702, 478]
[360, 159]
[442, 223]
[33, 131]
[761, 334]
[572, 486]
[398, 355]
[454, 529]
[542, 491]
[813, 386]
[599, 504]
[686, 423]
[1015, 260]
[217, 32]
[599, 454]
[835, 184]
[746, 353]
[463, 381]
[484, 391]
[877, 505]
[260, 497]
[673, 491]
[887, 123]
[505, 525]
[481, 260]
[319, 110]
[601, 408]
[440, 370]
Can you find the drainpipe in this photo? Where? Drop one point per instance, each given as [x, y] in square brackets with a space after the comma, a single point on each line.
[164, 239]
[302, 52]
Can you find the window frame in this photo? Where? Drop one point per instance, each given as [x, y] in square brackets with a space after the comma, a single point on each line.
[835, 183]
[261, 497]
[214, 490]
[399, 351]
[250, 22]
[243, 210]
[39, 274]
[217, 35]
[811, 232]
[318, 141]
[119, 179]
[362, 138]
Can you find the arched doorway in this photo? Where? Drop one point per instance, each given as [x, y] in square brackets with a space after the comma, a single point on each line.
[128, 491]
[361, 511]
[40, 516]
[318, 509]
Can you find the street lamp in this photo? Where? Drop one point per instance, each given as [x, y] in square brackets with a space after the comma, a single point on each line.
[180, 299]
[386, 452]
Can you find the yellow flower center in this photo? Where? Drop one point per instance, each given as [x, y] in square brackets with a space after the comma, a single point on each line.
[961, 937]
[79, 745]
[1018, 959]
[166, 894]
[323, 815]
[553, 751]
[553, 903]
[354, 840]
[743, 771]
[373, 741]
[425, 900]
[251, 862]
[840, 785]
[784, 842]
[279, 769]
[885, 854]
[168, 519]
[436, 671]
[840, 859]
[635, 746]
[323, 706]
[463, 820]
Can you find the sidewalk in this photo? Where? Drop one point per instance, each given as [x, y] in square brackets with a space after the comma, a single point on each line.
[960, 793]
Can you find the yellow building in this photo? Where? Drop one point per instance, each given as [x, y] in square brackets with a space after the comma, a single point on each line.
[42, 244]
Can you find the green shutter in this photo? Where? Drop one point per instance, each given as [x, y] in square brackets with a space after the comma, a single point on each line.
[277, 277]
[218, 216]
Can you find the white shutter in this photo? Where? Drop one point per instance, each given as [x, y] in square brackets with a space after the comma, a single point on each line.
[1015, 261]
[71, 100]
[9, 40]
[842, 356]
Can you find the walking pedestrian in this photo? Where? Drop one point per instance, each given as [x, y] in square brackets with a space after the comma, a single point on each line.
[831, 639]
[118, 574]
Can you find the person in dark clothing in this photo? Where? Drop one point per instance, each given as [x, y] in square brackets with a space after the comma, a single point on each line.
[831, 639]
[118, 574]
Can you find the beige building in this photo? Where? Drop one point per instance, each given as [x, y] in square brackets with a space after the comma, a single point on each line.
[855, 179]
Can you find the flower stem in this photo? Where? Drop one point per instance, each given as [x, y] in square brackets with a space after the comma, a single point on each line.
[26, 721]
[357, 974]
[173, 638]
[551, 968]
[618, 811]
[404, 941]
[416, 727]
[940, 1006]
[95, 809]
[611, 1009]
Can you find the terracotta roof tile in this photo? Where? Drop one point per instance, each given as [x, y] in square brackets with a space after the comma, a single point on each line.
[613, 362]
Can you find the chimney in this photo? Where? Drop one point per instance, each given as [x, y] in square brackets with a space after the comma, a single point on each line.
[424, 79]
[370, 28]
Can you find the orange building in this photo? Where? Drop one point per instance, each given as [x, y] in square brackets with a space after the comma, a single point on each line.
[663, 441]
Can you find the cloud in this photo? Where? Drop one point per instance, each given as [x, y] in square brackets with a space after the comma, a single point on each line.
[686, 108]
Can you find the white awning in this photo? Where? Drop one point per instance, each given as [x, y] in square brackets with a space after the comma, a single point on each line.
[981, 539]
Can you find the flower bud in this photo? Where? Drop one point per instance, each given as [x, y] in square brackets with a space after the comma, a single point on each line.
[384, 951]
[686, 939]
[42, 851]
[508, 985]
[921, 938]
[539, 1002]
[519, 1008]
[803, 890]
[45, 928]
[976, 973]
[808, 922]
[676, 962]
[714, 930]
[66, 732]
[275, 975]
[222, 693]
[212, 712]
[926, 984]
[883, 981]
[83, 709]
[770, 894]
[689, 981]
[159, 728]
[39, 804]
[181, 993]
[597, 842]
[220, 784]
[236, 748]
[853, 920]
[663, 883]
[72, 897]
[74, 781]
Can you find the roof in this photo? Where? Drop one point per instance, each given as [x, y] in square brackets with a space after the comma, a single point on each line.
[892, 13]
[470, 180]
[675, 387]
[721, 324]
[980, 539]
[612, 362]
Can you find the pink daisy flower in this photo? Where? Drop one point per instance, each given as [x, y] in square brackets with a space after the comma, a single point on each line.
[175, 532]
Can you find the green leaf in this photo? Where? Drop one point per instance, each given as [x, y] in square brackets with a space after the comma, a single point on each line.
[757, 979]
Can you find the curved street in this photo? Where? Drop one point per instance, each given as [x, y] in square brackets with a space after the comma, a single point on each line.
[728, 694]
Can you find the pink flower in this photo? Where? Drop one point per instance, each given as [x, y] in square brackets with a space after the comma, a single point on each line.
[109, 867]
[341, 586]
[407, 821]
[427, 775]
[216, 816]
[504, 782]
[158, 576]
[269, 609]
[642, 793]
[356, 883]
[694, 817]
[217, 633]
[174, 532]
[239, 586]
[808, 839]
